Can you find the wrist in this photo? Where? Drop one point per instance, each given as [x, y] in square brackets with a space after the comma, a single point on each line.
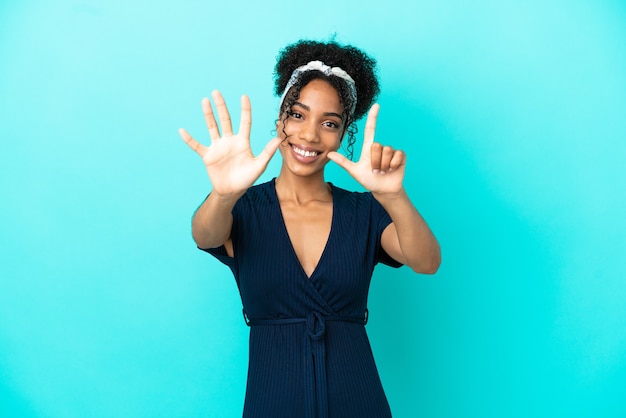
[390, 197]
[225, 199]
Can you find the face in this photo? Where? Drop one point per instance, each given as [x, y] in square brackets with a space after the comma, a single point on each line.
[312, 129]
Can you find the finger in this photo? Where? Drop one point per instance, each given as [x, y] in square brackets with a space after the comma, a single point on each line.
[398, 159]
[376, 152]
[222, 113]
[341, 161]
[246, 117]
[193, 144]
[370, 127]
[268, 152]
[209, 118]
[385, 159]
[266, 155]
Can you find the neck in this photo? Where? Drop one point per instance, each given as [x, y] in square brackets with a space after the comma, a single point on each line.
[302, 189]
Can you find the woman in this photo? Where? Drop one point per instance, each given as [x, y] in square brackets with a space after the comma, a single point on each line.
[303, 250]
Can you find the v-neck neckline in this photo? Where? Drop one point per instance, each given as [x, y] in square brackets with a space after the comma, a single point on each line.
[288, 238]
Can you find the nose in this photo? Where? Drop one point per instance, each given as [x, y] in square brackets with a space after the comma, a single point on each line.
[308, 132]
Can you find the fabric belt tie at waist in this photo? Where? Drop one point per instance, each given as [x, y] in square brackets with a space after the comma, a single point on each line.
[315, 350]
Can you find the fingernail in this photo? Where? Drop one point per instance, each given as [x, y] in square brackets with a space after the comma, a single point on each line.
[382, 173]
[375, 171]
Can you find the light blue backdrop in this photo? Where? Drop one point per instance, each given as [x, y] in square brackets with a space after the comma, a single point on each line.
[513, 118]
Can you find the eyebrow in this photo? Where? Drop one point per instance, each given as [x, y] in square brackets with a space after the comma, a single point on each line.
[307, 108]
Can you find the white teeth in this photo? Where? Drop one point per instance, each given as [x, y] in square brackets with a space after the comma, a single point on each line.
[305, 153]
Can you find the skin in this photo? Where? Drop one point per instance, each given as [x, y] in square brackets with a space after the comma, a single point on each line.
[314, 126]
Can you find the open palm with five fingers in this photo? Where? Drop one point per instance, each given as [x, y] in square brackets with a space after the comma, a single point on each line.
[380, 169]
[229, 161]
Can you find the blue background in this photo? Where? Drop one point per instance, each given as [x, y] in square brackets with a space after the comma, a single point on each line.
[513, 118]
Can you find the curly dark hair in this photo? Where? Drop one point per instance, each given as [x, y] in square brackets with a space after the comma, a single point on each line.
[360, 66]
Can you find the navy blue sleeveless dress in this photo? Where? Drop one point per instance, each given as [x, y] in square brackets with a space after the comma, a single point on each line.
[309, 353]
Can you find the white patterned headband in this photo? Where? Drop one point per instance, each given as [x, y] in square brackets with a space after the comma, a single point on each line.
[325, 69]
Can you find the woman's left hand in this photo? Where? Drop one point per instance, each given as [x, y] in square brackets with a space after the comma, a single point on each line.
[380, 169]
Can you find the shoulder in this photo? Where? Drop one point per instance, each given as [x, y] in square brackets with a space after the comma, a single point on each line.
[256, 199]
[352, 198]
[259, 193]
[361, 207]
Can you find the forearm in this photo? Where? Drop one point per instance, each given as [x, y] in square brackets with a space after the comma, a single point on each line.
[415, 244]
[212, 222]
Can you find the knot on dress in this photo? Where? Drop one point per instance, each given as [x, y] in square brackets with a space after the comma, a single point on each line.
[316, 325]
[316, 396]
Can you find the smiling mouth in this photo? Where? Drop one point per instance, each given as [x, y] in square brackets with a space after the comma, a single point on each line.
[305, 153]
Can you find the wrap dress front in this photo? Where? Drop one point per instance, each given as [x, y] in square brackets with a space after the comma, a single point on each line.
[309, 354]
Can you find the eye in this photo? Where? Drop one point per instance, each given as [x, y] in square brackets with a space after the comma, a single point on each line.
[331, 124]
[294, 115]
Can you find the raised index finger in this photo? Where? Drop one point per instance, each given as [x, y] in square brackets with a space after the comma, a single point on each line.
[370, 128]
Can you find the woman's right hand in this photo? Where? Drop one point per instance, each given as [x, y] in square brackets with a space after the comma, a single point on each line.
[230, 164]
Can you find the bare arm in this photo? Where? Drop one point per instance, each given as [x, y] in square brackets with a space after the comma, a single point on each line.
[408, 239]
[232, 169]
[212, 222]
